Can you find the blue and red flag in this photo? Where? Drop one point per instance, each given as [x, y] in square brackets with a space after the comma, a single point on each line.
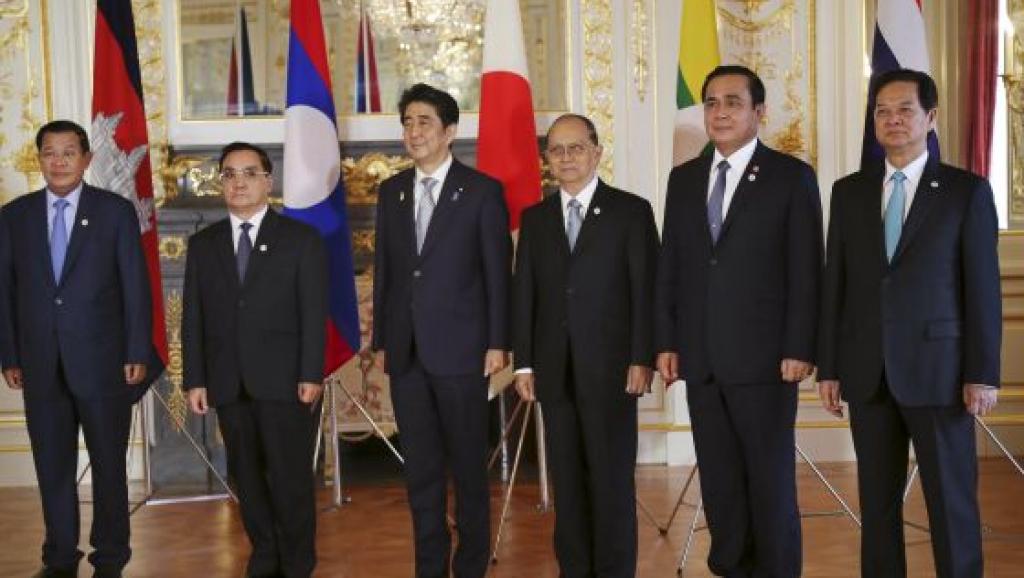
[367, 92]
[241, 102]
[120, 145]
[900, 42]
[313, 189]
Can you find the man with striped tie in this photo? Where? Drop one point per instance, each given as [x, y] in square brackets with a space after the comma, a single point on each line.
[440, 302]
[911, 328]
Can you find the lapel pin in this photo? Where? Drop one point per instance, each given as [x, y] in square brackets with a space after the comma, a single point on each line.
[935, 184]
[755, 168]
[455, 196]
[751, 177]
[401, 197]
[597, 210]
[263, 248]
[85, 222]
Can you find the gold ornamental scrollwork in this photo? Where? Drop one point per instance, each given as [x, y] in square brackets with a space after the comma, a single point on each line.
[364, 175]
[177, 409]
[598, 82]
[148, 15]
[1013, 80]
[173, 247]
[641, 48]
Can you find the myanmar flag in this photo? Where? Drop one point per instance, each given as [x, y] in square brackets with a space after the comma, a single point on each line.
[698, 56]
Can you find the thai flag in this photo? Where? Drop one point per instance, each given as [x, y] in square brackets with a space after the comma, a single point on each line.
[900, 42]
[367, 94]
[313, 189]
[240, 71]
[120, 146]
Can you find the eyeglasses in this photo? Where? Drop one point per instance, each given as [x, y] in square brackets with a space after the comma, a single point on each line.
[54, 156]
[248, 175]
[574, 150]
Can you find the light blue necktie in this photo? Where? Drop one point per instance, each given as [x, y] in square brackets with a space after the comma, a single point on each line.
[58, 238]
[424, 211]
[894, 214]
[717, 201]
[573, 222]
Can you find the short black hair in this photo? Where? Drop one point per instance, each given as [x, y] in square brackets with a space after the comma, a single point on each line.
[244, 146]
[62, 126]
[591, 129]
[754, 82]
[444, 105]
[927, 93]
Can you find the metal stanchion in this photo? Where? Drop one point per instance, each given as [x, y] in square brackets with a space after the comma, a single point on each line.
[1002, 447]
[503, 444]
[512, 482]
[336, 449]
[542, 460]
[831, 489]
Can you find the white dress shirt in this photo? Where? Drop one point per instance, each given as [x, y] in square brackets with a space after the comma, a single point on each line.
[738, 162]
[73, 198]
[255, 221]
[913, 172]
[441, 173]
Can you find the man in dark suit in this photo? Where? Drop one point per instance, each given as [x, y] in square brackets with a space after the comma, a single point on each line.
[582, 302]
[910, 330]
[440, 288]
[736, 313]
[75, 334]
[253, 336]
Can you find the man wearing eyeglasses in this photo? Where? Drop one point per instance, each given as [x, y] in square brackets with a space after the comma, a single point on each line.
[253, 336]
[736, 315]
[75, 335]
[582, 303]
[441, 273]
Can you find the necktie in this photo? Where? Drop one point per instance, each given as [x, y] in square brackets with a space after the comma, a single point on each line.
[894, 214]
[716, 202]
[424, 211]
[244, 250]
[58, 238]
[573, 222]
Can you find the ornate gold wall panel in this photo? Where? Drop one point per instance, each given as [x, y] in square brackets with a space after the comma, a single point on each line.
[598, 83]
[1015, 115]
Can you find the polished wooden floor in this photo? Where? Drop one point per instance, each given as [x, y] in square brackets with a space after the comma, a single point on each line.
[370, 537]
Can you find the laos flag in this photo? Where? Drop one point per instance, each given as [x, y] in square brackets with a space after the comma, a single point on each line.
[313, 190]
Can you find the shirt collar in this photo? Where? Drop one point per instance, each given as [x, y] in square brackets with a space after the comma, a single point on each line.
[254, 220]
[440, 173]
[584, 196]
[739, 159]
[72, 198]
[912, 171]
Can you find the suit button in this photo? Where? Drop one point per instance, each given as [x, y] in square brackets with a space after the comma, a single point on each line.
[417, 273]
[564, 324]
[58, 301]
[713, 261]
[241, 303]
[569, 291]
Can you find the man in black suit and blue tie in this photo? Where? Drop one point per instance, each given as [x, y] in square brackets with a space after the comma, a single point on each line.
[440, 299]
[736, 310]
[911, 324]
[75, 324]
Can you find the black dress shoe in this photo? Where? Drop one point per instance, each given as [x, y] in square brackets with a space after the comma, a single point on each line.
[107, 573]
[49, 572]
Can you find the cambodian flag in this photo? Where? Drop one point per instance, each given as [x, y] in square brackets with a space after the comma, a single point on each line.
[900, 42]
[367, 91]
[313, 190]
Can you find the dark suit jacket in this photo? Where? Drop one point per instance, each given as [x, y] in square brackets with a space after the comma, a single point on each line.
[593, 306]
[453, 298]
[932, 318]
[267, 333]
[734, 310]
[96, 319]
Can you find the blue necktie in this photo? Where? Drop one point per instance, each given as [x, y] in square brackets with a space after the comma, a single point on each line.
[424, 211]
[573, 222]
[58, 238]
[894, 214]
[717, 201]
[244, 250]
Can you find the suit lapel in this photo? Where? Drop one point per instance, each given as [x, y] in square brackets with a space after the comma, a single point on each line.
[592, 220]
[872, 204]
[928, 190]
[225, 249]
[406, 208]
[745, 189]
[262, 246]
[39, 215]
[447, 203]
[80, 230]
[702, 172]
[556, 224]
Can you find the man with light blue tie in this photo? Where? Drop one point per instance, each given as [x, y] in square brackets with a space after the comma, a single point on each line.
[910, 330]
[74, 338]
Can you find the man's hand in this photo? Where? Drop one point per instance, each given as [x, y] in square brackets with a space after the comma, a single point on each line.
[979, 398]
[380, 359]
[524, 385]
[309, 391]
[197, 401]
[494, 361]
[13, 377]
[795, 371]
[668, 366]
[134, 373]
[638, 379]
[828, 391]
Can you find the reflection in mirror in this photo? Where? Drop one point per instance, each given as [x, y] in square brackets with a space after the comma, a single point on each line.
[234, 52]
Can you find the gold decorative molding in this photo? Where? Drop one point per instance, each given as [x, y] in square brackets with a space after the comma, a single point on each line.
[598, 83]
[148, 16]
[1014, 83]
[177, 408]
[173, 247]
[640, 44]
[363, 175]
[363, 242]
[24, 90]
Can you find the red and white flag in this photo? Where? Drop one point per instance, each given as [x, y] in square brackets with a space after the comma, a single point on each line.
[507, 145]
